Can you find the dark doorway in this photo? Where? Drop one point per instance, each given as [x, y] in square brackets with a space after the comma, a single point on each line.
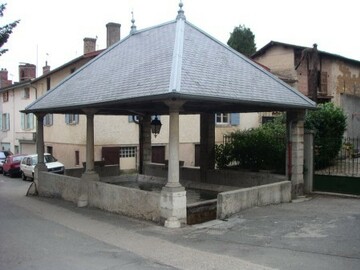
[110, 155]
[158, 154]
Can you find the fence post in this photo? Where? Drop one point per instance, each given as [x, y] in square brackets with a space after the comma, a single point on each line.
[308, 161]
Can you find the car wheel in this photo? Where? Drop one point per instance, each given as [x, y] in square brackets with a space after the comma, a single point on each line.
[11, 175]
[23, 176]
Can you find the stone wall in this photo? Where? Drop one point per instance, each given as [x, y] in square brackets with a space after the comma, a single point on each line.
[232, 202]
[127, 201]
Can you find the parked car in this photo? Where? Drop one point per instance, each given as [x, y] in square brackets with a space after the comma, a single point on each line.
[3, 155]
[11, 165]
[28, 163]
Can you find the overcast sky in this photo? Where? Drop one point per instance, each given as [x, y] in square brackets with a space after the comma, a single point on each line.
[54, 30]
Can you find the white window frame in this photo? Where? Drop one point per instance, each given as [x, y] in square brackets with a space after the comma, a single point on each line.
[26, 93]
[48, 119]
[5, 122]
[222, 118]
[27, 121]
[127, 152]
[72, 119]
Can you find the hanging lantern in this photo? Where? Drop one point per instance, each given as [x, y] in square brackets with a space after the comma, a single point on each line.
[155, 126]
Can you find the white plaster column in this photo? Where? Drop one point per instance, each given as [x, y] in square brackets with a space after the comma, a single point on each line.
[173, 195]
[89, 174]
[40, 166]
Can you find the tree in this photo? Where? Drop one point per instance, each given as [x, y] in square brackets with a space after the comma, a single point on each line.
[5, 30]
[242, 40]
[329, 124]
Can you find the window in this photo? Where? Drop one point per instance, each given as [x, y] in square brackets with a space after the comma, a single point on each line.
[48, 119]
[6, 96]
[48, 83]
[77, 158]
[49, 149]
[227, 119]
[27, 121]
[26, 93]
[126, 152]
[5, 122]
[323, 83]
[71, 119]
[222, 118]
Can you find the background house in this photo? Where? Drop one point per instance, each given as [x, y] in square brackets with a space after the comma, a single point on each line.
[338, 78]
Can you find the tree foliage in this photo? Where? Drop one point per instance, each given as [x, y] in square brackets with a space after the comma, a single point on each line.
[242, 40]
[329, 124]
[5, 30]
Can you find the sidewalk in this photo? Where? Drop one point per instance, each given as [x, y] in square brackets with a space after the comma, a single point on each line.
[320, 233]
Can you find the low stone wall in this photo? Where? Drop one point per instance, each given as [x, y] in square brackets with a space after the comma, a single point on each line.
[59, 186]
[128, 201]
[232, 202]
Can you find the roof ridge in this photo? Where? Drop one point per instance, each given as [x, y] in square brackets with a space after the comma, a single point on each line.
[177, 58]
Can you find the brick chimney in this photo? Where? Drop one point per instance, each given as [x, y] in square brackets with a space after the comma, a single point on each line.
[46, 68]
[112, 33]
[89, 45]
[4, 78]
[27, 72]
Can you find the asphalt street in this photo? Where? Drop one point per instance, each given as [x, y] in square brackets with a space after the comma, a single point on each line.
[319, 232]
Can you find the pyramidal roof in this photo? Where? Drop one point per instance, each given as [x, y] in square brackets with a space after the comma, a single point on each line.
[174, 60]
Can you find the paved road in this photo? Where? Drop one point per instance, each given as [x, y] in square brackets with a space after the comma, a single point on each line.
[40, 233]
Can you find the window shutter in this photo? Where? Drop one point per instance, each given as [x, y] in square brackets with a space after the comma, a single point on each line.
[67, 118]
[1, 122]
[31, 120]
[23, 121]
[8, 121]
[235, 119]
[76, 119]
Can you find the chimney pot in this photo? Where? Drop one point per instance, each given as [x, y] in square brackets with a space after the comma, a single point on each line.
[27, 71]
[46, 68]
[89, 45]
[113, 33]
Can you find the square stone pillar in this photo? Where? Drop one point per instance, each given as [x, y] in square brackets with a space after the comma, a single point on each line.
[89, 174]
[295, 152]
[144, 142]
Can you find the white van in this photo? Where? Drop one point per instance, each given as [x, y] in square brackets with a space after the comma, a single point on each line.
[28, 164]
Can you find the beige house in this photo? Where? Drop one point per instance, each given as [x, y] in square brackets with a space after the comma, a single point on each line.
[338, 77]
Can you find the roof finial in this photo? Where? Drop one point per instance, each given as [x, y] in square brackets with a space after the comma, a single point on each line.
[181, 12]
[133, 26]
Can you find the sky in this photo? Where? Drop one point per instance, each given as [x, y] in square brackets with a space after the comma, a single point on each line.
[53, 30]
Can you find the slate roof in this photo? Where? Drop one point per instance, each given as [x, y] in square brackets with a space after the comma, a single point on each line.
[174, 60]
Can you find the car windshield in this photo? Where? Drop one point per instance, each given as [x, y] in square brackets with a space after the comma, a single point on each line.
[49, 158]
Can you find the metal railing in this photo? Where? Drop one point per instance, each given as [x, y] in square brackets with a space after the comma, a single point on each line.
[347, 162]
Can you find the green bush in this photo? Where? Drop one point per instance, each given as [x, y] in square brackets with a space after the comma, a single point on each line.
[329, 124]
[256, 149]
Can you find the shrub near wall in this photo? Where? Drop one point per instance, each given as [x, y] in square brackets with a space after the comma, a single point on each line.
[256, 149]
